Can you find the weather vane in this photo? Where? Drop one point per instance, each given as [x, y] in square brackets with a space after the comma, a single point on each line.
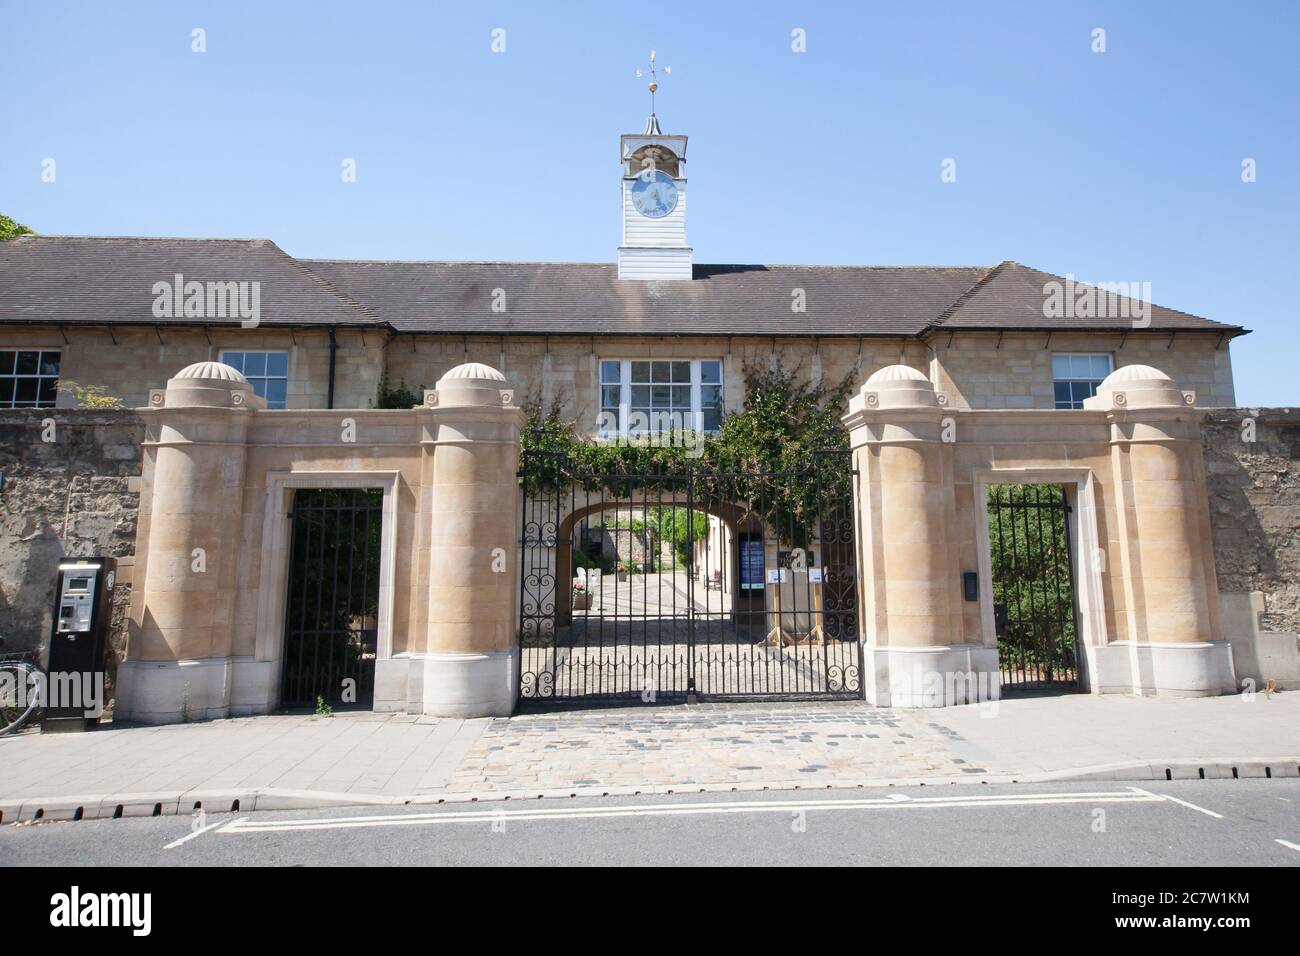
[654, 79]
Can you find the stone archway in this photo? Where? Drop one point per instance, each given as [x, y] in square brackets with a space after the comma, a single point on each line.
[1144, 571]
[754, 626]
[207, 616]
[734, 520]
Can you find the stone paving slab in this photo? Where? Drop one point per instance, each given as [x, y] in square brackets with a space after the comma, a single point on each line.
[351, 754]
[291, 761]
[1068, 733]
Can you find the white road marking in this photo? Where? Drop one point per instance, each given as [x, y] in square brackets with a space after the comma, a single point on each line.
[191, 835]
[1289, 845]
[1192, 806]
[244, 825]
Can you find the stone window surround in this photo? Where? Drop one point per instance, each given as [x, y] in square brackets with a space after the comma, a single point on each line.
[1087, 576]
[275, 555]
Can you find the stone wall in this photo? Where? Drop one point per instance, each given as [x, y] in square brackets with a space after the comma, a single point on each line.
[1254, 490]
[987, 370]
[78, 494]
[627, 544]
[130, 361]
[974, 369]
[563, 371]
[74, 495]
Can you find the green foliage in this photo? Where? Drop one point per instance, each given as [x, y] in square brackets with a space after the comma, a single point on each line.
[9, 228]
[785, 419]
[328, 540]
[763, 455]
[583, 560]
[333, 584]
[1031, 576]
[92, 396]
[400, 396]
[322, 708]
[672, 524]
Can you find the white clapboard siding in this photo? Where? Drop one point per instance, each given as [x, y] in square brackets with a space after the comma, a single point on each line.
[666, 232]
[653, 263]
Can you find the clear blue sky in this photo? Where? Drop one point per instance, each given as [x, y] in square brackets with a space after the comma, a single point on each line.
[1117, 166]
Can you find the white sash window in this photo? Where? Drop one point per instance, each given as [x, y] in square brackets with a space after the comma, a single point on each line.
[648, 396]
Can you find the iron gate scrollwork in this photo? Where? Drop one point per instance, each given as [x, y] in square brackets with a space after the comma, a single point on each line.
[696, 581]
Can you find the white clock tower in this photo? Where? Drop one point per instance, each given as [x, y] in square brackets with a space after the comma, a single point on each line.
[654, 201]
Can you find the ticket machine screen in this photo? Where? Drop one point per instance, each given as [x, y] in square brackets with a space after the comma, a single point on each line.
[76, 603]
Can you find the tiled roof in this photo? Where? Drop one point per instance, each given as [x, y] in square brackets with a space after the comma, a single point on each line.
[73, 279]
[70, 280]
[590, 299]
[1011, 296]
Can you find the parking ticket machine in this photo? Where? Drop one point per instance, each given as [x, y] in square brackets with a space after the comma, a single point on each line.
[83, 607]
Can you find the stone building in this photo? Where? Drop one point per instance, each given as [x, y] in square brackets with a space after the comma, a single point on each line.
[248, 367]
[124, 313]
[327, 333]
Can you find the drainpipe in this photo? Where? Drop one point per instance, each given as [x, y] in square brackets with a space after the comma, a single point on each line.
[334, 348]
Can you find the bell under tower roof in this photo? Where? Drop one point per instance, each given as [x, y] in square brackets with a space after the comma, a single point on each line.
[667, 152]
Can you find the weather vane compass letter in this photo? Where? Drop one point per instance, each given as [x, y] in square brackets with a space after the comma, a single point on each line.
[652, 125]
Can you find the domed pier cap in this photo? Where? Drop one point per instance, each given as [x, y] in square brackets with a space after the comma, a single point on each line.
[897, 386]
[1138, 386]
[471, 384]
[207, 385]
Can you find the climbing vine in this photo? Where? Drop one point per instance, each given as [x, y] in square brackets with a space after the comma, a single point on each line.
[397, 396]
[764, 457]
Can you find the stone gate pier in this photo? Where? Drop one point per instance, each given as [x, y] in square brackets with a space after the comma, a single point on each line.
[207, 623]
[1130, 464]
[206, 635]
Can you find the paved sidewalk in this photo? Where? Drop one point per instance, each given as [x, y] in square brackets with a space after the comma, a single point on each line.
[1080, 736]
[292, 761]
[273, 761]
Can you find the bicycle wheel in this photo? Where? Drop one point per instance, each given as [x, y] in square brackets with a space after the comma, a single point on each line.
[20, 694]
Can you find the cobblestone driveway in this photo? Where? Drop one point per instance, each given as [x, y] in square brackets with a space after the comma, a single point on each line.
[803, 744]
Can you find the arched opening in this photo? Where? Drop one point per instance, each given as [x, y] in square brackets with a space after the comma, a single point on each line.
[649, 548]
[654, 156]
[674, 585]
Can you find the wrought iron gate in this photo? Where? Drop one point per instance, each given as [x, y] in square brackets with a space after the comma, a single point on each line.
[688, 583]
[332, 601]
[1033, 595]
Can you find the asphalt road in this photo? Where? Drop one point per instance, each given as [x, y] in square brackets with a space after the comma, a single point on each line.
[1209, 822]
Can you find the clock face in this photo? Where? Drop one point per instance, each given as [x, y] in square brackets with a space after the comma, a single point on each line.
[654, 194]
